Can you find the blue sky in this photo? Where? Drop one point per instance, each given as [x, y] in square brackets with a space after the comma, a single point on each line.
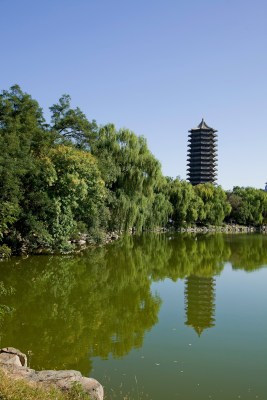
[156, 67]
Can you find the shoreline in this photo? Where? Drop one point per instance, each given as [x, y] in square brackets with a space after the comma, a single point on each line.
[86, 242]
[234, 228]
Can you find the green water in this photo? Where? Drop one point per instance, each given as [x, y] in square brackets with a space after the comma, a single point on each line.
[152, 317]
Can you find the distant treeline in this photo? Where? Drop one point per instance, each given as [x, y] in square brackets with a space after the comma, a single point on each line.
[71, 176]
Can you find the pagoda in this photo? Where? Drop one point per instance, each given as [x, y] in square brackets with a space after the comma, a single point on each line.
[202, 154]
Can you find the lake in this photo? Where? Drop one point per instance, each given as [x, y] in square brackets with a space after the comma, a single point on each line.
[156, 316]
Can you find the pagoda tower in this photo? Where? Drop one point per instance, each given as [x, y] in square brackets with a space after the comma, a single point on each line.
[202, 154]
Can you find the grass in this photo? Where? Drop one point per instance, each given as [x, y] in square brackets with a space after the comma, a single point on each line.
[11, 389]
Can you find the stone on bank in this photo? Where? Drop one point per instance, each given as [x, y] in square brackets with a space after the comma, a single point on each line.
[14, 362]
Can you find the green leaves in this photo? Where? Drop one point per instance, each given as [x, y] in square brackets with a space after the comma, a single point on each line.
[22, 137]
[78, 191]
[249, 205]
[214, 206]
[132, 176]
[72, 124]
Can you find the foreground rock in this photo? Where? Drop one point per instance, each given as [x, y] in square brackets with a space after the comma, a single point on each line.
[15, 364]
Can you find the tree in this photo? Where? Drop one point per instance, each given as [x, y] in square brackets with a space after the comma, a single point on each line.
[249, 205]
[185, 202]
[48, 190]
[78, 193]
[133, 177]
[23, 137]
[71, 124]
[214, 206]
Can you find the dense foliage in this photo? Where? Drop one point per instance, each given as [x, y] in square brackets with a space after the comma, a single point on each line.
[249, 206]
[71, 176]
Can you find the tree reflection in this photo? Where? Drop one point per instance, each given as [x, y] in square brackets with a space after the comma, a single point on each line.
[70, 309]
[248, 252]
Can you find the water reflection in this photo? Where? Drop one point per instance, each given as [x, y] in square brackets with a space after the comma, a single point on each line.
[69, 309]
[247, 252]
[200, 302]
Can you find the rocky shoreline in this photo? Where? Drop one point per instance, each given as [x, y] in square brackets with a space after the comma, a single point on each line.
[230, 228]
[14, 363]
[84, 241]
[224, 229]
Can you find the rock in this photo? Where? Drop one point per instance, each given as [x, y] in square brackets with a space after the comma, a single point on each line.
[17, 372]
[62, 378]
[12, 359]
[15, 352]
[65, 379]
[93, 387]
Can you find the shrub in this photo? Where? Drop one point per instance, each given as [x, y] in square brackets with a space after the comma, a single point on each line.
[5, 251]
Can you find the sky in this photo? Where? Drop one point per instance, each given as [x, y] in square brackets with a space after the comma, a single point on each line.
[156, 67]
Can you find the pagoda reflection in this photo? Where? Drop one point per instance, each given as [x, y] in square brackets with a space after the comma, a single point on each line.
[200, 302]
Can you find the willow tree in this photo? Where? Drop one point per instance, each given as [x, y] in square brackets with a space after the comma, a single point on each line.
[185, 202]
[133, 177]
[214, 206]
